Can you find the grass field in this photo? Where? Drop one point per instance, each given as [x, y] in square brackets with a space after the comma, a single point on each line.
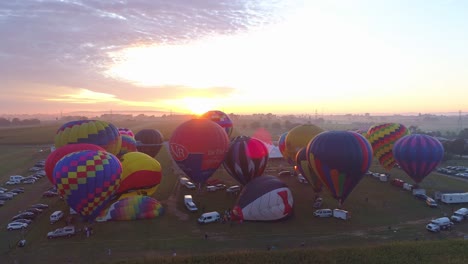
[388, 215]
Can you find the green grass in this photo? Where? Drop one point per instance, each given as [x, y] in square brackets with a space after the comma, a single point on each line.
[389, 215]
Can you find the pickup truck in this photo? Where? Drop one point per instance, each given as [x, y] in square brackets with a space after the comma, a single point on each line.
[67, 231]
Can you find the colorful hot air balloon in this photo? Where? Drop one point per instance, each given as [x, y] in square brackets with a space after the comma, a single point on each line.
[96, 132]
[199, 146]
[221, 119]
[264, 198]
[307, 171]
[418, 155]
[299, 137]
[382, 138]
[126, 131]
[340, 159]
[87, 180]
[61, 152]
[282, 148]
[246, 159]
[128, 145]
[149, 141]
[132, 208]
[140, 172]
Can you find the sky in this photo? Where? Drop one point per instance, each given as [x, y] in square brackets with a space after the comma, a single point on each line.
[238, 56]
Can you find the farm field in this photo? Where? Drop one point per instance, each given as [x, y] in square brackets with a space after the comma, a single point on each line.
[381, 214]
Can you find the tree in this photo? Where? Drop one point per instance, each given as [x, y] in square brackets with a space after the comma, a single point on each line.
[4, 122]
[457, 146]
[463, 134]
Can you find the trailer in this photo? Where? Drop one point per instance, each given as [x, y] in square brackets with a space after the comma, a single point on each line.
[452, 198]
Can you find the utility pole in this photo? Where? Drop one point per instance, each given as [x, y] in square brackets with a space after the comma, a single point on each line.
[460, 125]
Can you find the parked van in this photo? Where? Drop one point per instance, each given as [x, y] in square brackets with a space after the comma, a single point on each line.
[209, 217]
[323, 213]
[56, 216]
[443, 222]
[188, 201]
[341, 214]
[459, 215]
[16, 178]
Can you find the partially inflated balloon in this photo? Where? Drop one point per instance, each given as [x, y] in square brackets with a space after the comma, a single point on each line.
[340, 159]
[418, 155]
[126, 131]
[307, 171]
[221, 119]
[139, 172]
[264, 198]
[128, 145]
[132, 208]
[149, 141]
[282, 148]
[96, 132]
[87, 180]
[61, 152]
[246, 159]
[199, 146]
[299, 137]
[382, 138]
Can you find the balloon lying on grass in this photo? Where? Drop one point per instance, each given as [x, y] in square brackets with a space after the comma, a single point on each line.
[132, 208]
[306, 170]
[87, 180]
[418, 155]
[299, 137]
[265, 198]
[382, 138]
[199, 146]
[220, 118]
[149, 141]
[246, 159]
[61, 152]
[340, 159]
[96, 132]
[140, 173]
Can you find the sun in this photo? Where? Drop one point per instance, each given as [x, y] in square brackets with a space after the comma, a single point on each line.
[197, 106]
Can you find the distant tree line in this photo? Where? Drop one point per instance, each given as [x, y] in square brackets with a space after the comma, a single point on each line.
[18, 122]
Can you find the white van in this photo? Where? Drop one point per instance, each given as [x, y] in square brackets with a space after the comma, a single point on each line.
[323, 213]
[56, 216]
[188, 201]
[443, 222]
[459, 215]
[209, 217]
[16, 178]
[341, 214]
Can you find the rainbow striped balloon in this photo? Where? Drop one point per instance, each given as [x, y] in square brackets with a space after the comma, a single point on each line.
[132, 208]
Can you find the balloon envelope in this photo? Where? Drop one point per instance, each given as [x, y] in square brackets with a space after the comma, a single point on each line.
[128, 145]
[149, 141]
[126, 131]
[139, 172]
[282, 148]
[132, 208]
[199, 146]
[264, 198]
[382, 138]
[299, 137]
[61, 152]
[418, 155]
[221, 119]
[246, 159]
[340, 159]
[306, 170]
[96, 132]
[87, 180]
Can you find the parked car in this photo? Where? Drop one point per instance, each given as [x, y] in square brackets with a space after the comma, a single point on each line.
[40, 206]
[211, 188]
[16, 225]
[34, 210]
[29, 181]
[12, 182]
[323, 213]
[421, 196]
[397, 183]
[431, 202]
[5, 197]
[67, 231]
[432, 228]
[24, 215]
[2, 202]
[17, 190]
[220, 186]
[23, 220]
[209, 217]
[56, 216]
[190, 185]
[188, 201]
[50, 194]
[3, 189]
[284, 173]
[234, 188]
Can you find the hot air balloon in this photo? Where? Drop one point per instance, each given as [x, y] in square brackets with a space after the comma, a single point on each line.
[382, 138]
[126, 131]
[132, 208]
[340, 159]
[128, 145]
[149, 141]
[246, 158]
[282, 148]
[299, 137]
[221, 119]
[418, 155]
[199, 146]
[307, 171]
[140, 172]
[59, 153]
[87, 180]
[96, 132]
[264, 198]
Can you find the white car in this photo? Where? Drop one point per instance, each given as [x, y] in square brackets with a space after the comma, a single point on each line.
[433, 228]
[16, 225]
[190, 185]
[11, 182]
[29, 181]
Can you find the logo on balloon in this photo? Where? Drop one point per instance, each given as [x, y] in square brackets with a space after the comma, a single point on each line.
[179, 152]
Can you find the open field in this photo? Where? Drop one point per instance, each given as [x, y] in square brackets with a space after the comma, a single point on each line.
[388, 214]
